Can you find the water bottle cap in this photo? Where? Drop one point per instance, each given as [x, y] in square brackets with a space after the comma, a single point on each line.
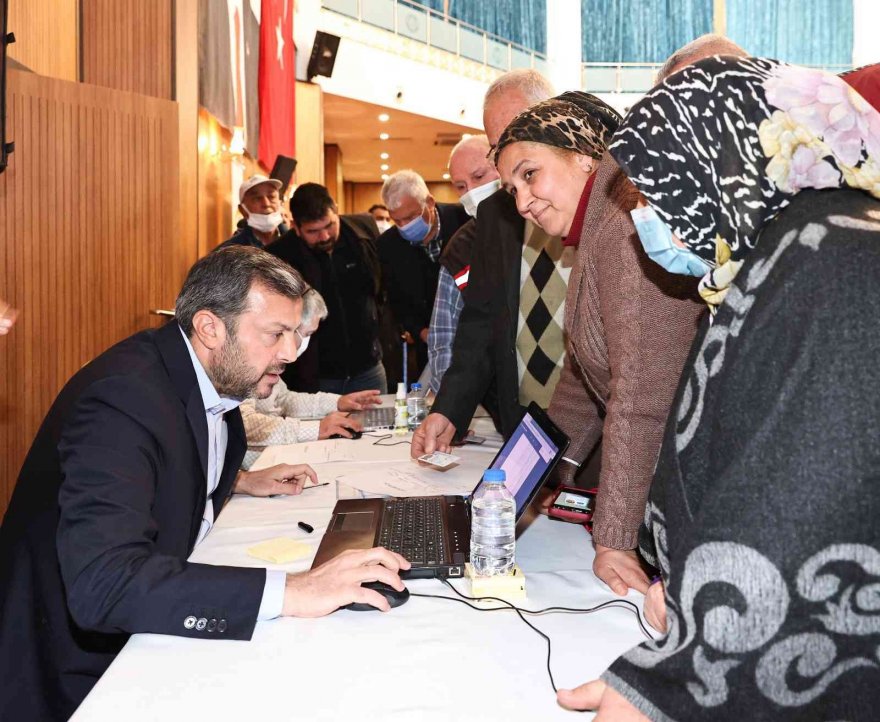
[494, 475]
[416, 387]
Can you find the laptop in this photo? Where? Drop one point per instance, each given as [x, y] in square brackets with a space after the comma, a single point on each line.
[434, 532]
[375, 418]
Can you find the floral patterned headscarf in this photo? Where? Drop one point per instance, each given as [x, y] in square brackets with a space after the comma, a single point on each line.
[721, 147]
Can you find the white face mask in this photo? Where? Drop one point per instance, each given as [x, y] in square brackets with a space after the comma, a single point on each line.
[383, 226]
[475, 196]
[265, 222]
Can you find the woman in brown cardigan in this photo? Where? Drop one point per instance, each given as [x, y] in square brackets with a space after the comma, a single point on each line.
[629, 323]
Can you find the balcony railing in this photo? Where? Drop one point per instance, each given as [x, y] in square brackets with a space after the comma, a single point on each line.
[413, 20]
[635, 77]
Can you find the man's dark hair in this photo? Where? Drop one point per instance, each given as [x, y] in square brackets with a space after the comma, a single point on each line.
[220, 283]
[377, 206]
[310, 202]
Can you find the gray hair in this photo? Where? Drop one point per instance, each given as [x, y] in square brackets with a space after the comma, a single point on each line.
[534, 86]
[221, 281]
[314, 308]
[703, 47]
[404, 184]
[478, 140]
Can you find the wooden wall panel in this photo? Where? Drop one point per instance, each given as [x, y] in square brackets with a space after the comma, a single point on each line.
[89, 238]
[46, 36]
[128, 45]
[309, 133]
[363, 195]
[333, 175]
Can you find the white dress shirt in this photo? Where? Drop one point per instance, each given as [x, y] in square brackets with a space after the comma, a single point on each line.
[216, 407]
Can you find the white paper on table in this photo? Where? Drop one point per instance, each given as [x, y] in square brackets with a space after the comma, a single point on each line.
[407, 479]
[329, 451]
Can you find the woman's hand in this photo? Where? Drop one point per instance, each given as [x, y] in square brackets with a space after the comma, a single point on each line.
[620, 570]
[655, 606]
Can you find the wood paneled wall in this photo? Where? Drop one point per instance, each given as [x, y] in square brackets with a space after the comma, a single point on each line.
[46, 36]
[309, 133]
[128, 45]
[89, 238]
[333, 175]
[360, 196]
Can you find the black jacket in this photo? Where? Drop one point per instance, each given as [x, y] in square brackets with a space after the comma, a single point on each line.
[409, 276]
[485, 342]
[244, 236]
[106, 511]
[347, 341]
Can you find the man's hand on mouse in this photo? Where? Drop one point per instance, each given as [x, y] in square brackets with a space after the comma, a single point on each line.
[338, 582]
[338, 422]
[286, 479]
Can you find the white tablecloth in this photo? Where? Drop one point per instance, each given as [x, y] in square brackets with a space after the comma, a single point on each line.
[426, 660]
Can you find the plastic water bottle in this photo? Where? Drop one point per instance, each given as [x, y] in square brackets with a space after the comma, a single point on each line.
[493, 526]
[415, 406]
[400, 413]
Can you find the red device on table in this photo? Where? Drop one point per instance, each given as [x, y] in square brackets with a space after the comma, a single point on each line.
[574, 504]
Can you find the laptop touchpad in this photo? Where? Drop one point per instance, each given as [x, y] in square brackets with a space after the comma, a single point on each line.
[354, 521]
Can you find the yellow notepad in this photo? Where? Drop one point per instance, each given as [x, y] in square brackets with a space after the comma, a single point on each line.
[280, 550]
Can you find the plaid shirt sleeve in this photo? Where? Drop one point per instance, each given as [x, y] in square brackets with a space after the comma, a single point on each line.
[448, 304]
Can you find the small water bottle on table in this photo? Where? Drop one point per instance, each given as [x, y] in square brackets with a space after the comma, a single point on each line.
[400, 425]
[415, 406]
[493, 527]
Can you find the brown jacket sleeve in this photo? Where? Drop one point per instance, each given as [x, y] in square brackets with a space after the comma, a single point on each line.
[650, 318]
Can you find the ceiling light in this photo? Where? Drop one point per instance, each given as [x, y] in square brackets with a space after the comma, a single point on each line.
[384, 176]
[384, 117]
[384, 136]
[384, 166]
[384, 156]
[446, 176]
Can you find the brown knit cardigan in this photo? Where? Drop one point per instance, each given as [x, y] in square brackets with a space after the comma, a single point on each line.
[630, 325]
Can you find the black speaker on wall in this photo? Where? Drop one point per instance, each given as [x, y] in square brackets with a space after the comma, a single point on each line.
[323, 56]
[5, 39]
[283, 170]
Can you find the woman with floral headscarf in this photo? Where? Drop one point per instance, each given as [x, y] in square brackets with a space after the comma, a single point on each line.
[628, 323]
[763, 512]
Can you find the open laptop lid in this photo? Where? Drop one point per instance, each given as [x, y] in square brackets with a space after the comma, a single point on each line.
[529, 455]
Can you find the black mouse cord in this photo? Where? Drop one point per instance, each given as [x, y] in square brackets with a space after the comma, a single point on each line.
[466, 600]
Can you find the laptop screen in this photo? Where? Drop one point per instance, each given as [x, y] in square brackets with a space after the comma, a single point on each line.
[526, 458]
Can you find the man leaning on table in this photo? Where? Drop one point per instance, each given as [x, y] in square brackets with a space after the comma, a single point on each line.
[127, 474]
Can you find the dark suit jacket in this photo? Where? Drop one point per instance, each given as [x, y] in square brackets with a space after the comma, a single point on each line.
[347, 341]
[105, 513]
[409, 276]
[485, 342]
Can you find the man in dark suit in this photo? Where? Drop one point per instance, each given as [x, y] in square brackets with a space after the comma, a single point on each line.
[128, 472]
[410, 253]
[337, 256]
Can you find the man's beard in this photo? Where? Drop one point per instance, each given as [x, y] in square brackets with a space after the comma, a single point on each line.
[233, 376]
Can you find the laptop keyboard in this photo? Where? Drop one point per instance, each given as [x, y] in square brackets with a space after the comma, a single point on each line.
[413, 527]
[377, 418]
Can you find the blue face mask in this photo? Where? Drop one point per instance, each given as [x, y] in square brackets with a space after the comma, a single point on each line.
[416, 230]
[656, 238]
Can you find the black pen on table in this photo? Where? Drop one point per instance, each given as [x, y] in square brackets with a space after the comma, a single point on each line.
[308, 528]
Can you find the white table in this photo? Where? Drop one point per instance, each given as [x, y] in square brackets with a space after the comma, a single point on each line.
[426, 660]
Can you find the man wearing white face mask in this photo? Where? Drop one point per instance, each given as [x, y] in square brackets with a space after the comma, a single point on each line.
[474, 178]
[410, 252]
[259, 202]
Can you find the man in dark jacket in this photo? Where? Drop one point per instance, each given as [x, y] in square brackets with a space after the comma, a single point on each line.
[338, 257]
[410, 253]
[128, 473]
[259, 203]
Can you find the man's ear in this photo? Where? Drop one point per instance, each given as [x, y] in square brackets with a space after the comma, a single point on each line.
[242, 210]
[209, 330]
[429, 201]
[586, 163]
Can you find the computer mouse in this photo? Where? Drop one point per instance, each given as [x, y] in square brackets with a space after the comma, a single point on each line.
[354, 434]
[395, 598]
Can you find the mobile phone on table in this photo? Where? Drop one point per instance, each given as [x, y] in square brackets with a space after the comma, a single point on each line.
[574, 504]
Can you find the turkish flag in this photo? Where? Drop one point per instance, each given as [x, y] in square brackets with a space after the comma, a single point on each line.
[277, 82]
